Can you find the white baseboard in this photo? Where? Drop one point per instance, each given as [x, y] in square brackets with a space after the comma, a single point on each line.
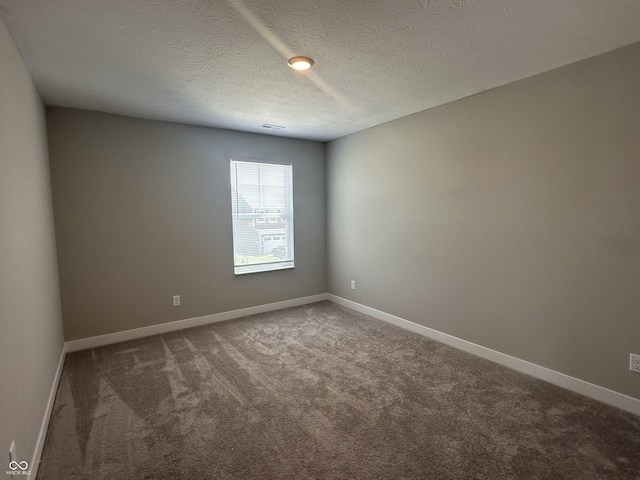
[620, 400]
[109, 338]
[591, 390]
[42, 435]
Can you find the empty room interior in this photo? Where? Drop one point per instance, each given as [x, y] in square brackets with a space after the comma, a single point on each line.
[246, 239]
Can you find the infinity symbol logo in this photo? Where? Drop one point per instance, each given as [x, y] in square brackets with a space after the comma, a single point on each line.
[13, 465]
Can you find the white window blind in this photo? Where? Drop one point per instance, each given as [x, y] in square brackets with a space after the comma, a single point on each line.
[262, 208]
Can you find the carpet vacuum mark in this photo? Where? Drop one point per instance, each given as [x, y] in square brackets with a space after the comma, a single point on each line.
[321, 392]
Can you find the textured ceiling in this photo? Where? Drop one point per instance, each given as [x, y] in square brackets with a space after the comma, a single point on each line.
[223, 62]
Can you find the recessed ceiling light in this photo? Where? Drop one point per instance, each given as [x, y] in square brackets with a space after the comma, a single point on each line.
[300, 63]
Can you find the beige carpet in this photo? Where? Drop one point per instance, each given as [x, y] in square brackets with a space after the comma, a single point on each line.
[321, 392]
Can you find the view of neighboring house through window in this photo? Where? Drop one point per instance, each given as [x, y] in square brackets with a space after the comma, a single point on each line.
[262, 208]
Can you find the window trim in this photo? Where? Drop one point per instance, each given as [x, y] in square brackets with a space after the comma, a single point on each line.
[263, 267]
[275, 265]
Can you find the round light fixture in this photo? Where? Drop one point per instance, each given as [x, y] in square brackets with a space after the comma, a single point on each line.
[300, 63]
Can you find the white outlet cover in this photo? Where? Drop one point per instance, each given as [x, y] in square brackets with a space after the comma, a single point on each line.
[634, 363]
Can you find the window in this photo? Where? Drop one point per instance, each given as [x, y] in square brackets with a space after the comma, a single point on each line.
[261, 191]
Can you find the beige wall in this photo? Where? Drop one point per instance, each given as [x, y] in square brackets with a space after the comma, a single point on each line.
[143, 212]
[510, 219]
[30, 322]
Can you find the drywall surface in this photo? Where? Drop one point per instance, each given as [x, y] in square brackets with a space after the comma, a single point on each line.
[31, 339]
[510, 219]
[143, 212]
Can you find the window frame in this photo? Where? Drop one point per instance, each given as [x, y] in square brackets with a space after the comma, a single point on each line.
[284, 217]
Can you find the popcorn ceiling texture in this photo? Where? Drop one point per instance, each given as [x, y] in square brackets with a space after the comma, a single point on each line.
[223, 63]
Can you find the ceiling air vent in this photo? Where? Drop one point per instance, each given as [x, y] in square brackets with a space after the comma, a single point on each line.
[270, 126]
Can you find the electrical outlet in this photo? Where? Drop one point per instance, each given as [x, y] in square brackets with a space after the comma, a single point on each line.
[176, 300]
[353, 284]
[634, 363]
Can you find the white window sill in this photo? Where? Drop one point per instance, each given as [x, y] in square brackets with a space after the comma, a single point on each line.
[263, 267]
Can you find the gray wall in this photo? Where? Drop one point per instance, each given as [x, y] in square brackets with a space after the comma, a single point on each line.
[510, 219]
[31, 328]
[143, 212]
